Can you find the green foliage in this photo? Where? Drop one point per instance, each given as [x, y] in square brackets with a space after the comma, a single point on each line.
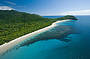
[68, 17]
[14, 24]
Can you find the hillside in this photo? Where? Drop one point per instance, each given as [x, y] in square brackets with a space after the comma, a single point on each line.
[14, 24]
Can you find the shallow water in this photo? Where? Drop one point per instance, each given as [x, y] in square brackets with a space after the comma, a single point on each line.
[74, 45]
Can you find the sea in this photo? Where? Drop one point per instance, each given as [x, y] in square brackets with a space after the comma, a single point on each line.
[73, 44]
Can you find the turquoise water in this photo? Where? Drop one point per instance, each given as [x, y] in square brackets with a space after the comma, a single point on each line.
[74, 45]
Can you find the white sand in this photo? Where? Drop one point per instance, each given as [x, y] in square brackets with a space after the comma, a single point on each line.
[6, 46]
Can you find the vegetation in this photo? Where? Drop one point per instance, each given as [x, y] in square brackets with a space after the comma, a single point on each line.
[68, 17]
[14, 24]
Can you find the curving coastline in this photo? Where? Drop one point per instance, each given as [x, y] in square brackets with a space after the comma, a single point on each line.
[5, 47]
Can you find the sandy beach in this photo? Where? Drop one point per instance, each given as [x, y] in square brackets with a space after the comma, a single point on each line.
[7, 46]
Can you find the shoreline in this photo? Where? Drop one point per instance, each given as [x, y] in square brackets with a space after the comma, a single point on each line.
[5, 47]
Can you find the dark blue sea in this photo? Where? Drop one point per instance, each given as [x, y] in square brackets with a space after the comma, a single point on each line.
[73, 44]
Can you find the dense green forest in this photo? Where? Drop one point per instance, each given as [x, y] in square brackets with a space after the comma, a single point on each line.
[14, 24]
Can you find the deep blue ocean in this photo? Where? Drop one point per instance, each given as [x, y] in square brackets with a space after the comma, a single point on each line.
[74, 45]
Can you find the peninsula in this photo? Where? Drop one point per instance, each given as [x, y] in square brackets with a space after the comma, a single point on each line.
[14, 24]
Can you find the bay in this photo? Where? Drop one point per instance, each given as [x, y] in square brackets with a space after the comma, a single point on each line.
[74, 45]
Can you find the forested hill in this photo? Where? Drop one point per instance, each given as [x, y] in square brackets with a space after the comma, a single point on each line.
[15, 16]
[14, 24]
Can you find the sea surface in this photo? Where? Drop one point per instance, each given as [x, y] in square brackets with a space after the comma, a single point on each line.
[74, 44]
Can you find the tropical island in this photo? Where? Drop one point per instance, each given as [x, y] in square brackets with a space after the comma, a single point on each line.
[14, 24]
